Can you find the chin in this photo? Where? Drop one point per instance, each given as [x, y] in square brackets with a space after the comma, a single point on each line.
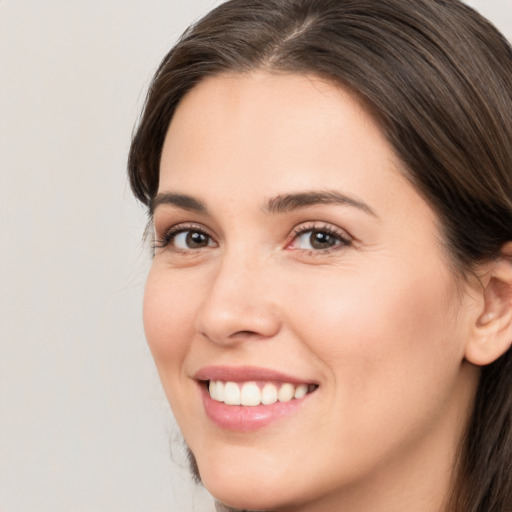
[241, 486]
[244, 488]
[237, 500]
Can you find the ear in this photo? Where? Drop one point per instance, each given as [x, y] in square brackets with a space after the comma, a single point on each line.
[492, 333]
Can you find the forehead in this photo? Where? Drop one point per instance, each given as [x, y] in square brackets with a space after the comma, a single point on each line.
[262, 134]
[287, 105]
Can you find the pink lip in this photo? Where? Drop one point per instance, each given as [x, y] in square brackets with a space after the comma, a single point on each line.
[246, 374]
[243, 418]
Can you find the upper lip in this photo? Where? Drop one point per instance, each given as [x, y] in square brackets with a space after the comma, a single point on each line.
[246, 374]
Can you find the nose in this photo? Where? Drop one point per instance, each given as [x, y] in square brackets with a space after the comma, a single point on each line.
[239, 305]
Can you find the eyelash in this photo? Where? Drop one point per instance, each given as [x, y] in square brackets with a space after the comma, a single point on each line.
[169, 235]
[341, 238]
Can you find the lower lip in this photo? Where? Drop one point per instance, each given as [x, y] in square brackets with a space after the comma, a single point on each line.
[242, 418]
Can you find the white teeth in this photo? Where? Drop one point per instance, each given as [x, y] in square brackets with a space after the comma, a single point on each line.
[285, 393]
[212, 389]
[216, 389]
[301, 391]
[220, 391]
[269, 394]
[231, 393]
[250, 393]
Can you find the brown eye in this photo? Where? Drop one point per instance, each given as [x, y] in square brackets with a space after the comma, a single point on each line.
[319, 240]
[322, 240]
[195, 239]
[189, 239]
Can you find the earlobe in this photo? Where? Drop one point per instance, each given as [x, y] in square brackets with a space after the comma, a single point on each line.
[492, 333]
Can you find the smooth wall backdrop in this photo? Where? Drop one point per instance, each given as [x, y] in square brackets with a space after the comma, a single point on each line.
[84, 425]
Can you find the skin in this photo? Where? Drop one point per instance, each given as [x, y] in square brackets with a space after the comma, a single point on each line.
[378, 321]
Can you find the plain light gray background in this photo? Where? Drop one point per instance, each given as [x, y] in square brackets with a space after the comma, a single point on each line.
[84, 425]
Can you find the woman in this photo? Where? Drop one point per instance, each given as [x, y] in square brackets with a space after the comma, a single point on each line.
[330, 301]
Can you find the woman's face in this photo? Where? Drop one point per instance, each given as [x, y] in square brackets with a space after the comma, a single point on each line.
[293, 257]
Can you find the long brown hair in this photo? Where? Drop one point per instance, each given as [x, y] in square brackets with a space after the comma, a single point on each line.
[438, 78]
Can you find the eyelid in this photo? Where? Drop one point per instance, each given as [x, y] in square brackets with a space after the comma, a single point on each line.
[162, 241]
[345, 238]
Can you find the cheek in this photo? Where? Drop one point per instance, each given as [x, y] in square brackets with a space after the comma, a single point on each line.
[380, 329]
[168, 318]
[389, 348]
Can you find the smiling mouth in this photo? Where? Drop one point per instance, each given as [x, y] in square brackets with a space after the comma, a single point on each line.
[256, 393]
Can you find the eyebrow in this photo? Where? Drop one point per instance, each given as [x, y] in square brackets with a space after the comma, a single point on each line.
[280, 204]
[296, 201]
[180, 200]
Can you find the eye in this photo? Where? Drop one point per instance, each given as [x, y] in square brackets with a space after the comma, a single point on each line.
[183, 239]
[191, 240]
[318, 239]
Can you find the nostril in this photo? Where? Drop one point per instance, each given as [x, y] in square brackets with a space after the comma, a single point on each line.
[245, 334]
